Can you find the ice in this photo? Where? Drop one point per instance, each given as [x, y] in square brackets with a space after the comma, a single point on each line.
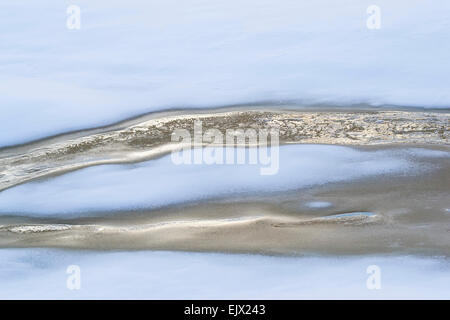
[160, 182]
[318, 204]
[42, 274]
[139, 56]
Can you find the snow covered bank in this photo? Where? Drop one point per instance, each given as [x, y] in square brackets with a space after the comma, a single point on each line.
[138, 56]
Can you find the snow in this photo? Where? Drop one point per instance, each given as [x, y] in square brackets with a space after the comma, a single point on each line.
[42, 274]
[139, 56]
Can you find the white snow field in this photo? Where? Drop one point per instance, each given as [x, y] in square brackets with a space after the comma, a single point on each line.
[136, 56]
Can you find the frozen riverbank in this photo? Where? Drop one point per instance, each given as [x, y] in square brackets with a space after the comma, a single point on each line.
[41, 274]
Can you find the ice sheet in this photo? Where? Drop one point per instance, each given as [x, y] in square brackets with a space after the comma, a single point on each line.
[41, 273]
[138, 56]
[160, 182]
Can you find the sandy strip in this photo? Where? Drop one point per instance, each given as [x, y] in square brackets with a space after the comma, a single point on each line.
[390, 214]
[149, 136]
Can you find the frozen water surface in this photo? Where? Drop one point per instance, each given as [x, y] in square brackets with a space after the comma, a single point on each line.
[41, 273]
[139, 56]
[160, 182]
